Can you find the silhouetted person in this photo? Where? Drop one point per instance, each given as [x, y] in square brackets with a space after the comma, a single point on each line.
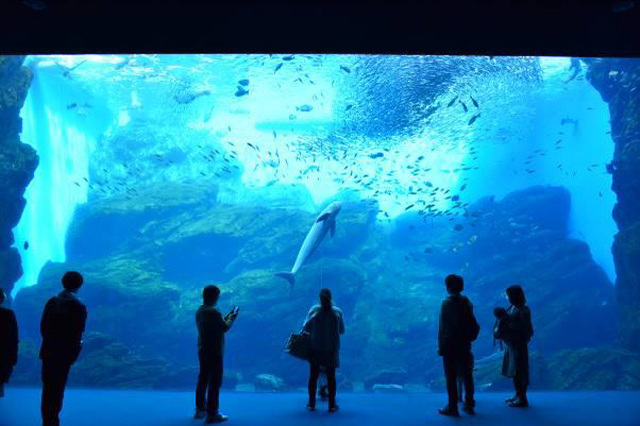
[61, 327]
[211, 330]
[456, 330]
[8, 342]
[325, 324]
[515, 329]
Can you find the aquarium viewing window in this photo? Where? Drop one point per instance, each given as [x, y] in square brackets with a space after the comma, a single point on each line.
[159, 174]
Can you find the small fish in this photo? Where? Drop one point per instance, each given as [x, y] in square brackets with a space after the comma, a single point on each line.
[348, 107]
[428, 250]
[453, 101]
[473, 239]
[241, 92]
[304, 108]
[243, 82]
[458, 227]
[463, 187]
[376, 155]
[455, 198]
[464, 106]
[26, 245]
[288, 58]
[475, 103]
[72, 105]
[345, 69]
[473, 119]
[408, 207]
[278, 67]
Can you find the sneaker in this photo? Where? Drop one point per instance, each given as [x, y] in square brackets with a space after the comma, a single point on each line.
[216, 418]
[519, 403]
[200, 414]
[311, 407]
[333, 408]
[469, 409]
[449, 411]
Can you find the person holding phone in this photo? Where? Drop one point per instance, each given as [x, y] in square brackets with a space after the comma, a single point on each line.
[212, 327]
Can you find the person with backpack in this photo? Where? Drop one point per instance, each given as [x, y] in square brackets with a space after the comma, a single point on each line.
[457, 328]
[324, 324]
[515, 329]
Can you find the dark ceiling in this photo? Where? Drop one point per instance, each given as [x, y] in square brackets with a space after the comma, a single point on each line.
[552, 27]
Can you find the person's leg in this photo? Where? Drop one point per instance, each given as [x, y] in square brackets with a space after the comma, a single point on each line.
[54, 380]
[449, 364]
[332, 386]
[314, 373]
[45, 403]
[215, 381]
[203, 381]
[467, 377]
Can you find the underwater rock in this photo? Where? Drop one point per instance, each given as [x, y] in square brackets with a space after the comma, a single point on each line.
[617, 81]
[126, 297]
[391, 377]
[269, 383]
[18, 162]
[378, 388]
[143, 288]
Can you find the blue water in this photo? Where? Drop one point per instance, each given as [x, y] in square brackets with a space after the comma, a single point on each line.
[159, 174]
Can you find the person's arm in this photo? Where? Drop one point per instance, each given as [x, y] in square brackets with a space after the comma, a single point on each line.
[340, 322]
[45, 321]
[223, 323]
[79, 324]
[528, 324]
[307, 322]
[13, 338]
[440, 331]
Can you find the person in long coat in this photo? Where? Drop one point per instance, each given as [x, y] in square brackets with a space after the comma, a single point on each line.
[515, 329]
[325, 324]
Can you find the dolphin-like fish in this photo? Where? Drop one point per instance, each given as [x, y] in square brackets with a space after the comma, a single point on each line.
[326, 222]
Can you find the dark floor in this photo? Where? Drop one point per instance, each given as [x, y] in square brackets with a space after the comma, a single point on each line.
[120, 408]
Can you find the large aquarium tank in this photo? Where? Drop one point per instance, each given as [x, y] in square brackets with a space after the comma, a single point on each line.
[155, 175]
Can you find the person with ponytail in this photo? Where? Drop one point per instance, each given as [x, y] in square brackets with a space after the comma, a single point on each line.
[324, 324]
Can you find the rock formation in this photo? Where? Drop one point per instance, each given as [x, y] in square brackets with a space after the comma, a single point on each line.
[18, 162]
[618, 82]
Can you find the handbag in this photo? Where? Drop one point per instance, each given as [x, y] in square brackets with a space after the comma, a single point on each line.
[299, 345]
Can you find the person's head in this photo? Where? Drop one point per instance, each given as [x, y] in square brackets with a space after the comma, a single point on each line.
[3, 296]
[454, 283]
[499, 313]
[210, 295]
[326, 299]
[72, 281]
[515, 294]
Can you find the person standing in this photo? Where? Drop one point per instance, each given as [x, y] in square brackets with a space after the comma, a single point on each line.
[324, 324]
[457, 328]
[515, 329]
[211, 330]
[62, 325]
[8, 342]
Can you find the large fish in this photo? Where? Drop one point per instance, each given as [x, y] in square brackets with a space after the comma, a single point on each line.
[326, 222]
